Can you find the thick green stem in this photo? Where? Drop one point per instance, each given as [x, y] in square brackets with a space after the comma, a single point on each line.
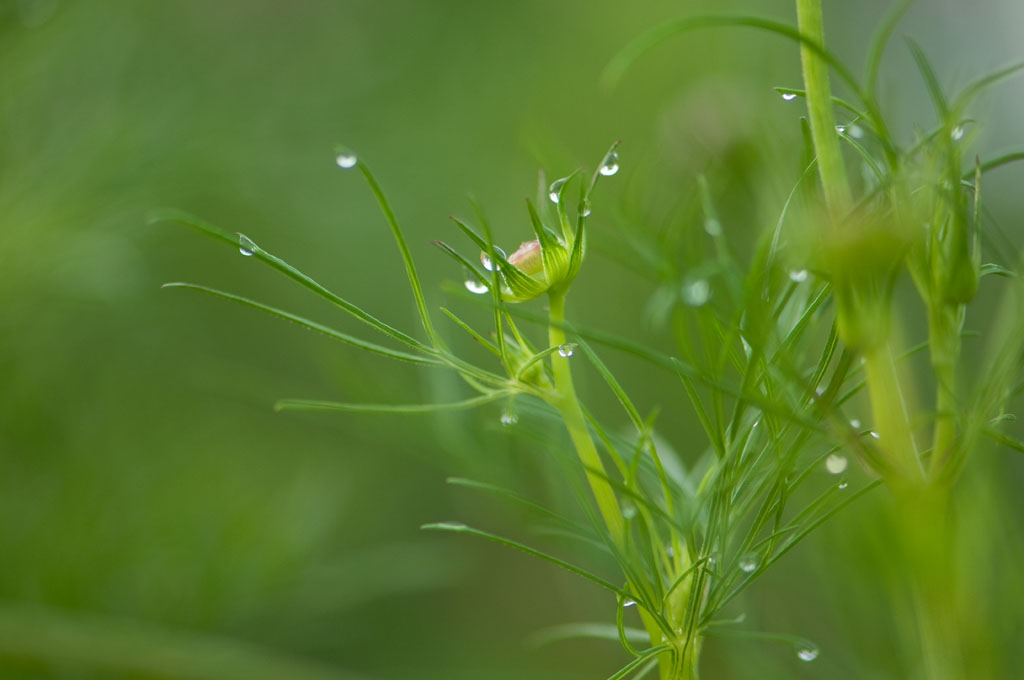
[891, 416]
[569, 407]
[607, 504]
[944, 344]
[819, 109]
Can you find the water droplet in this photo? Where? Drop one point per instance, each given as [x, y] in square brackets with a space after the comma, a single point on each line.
[835, 463]
[346, 159]
[840, 129]
[697, 292]
[713, 227]
[749, 562]
[556, 188]
[245, 245]
[875, 434]
[586, 208]
[747, 349]
[807, 651]
[508, 418]
[857, 132]
[486, 261]
[474, 286]
[628, 510]
[610, 164]
[710, 562]
[565, 351]
[628, 603]
[843, 485]
[798, 275]
[957, 133]
[855, 424]
[788, 96]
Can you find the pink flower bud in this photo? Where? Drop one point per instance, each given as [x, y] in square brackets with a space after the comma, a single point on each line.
[527, 258]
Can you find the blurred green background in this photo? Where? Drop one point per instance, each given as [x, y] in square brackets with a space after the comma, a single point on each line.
[155, 512]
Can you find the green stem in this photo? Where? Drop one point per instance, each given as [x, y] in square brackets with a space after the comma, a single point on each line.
[944, 344]
[890, 415]
[819, 109]
[569, 407]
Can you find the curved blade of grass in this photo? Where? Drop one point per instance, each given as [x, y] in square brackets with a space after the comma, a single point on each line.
[410, 266]
[931, 81]
[311, 325]
[314, 405]
[624, 59]
[459, 528]
[576, 631]
[878, 44]
[288, 270]
[520, 500]
[466, 327]
[644, 656]
[978, 86]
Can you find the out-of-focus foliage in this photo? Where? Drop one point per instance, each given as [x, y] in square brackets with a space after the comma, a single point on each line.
[154, 511]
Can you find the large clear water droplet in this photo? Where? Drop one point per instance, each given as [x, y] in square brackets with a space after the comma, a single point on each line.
[835, 463]
[474, 286]
[788, 96]
[807, 651]
[556, 188]
[586, 207]
[749, 562]
[798, 275]
[628, 603]
[245, 245]
[610, 164]
[697, 292]
[346, 159]
[489, 264]
[565, 351]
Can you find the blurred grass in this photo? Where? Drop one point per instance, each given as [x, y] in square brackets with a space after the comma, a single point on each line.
[142, 474]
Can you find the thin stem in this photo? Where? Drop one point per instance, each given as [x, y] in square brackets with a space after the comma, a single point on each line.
[819, 109]
[891, 417]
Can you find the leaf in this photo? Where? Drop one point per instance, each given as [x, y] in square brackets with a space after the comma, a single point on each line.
[573, 631]
[314, 405]
[311, 325]
[644, 656]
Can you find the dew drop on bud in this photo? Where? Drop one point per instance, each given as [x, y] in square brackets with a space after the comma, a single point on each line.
[556, 188]
[798, 275]
[245, 245]
[835, 463]
[749, 562]
[806, 651]
[486, 261]
[346, 159]
[565, 351]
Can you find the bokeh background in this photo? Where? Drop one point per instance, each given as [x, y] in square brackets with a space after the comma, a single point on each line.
[158, 518]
